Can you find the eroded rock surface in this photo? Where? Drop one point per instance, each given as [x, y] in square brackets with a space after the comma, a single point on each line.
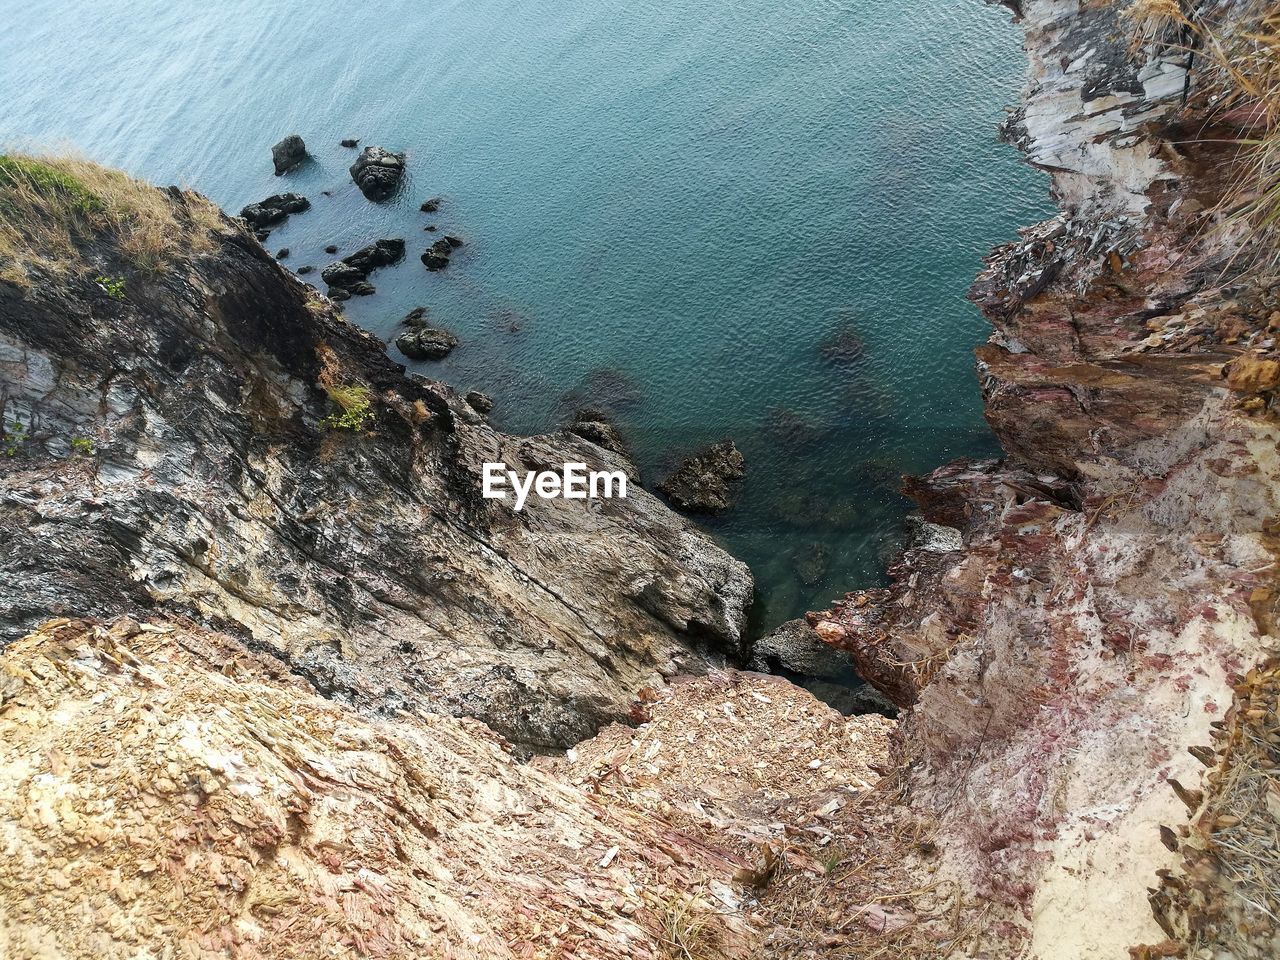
[221, 443]
[378, 172]
[1109, 583]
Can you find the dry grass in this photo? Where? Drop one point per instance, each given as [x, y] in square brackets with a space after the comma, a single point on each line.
[50, 207]
[1226, 899]
[1240, 66]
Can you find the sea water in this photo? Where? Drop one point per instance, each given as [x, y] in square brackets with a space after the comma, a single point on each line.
[753, 219]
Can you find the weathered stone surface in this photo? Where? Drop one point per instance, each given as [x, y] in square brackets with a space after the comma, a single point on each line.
[288, 153]
[708, 481]
[351, 273]
[378, 172]
[365, 559]
[426, 343]
[274, 209]
[1105, 586]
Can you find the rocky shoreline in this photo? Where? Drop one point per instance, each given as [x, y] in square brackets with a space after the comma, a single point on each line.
[273, 671]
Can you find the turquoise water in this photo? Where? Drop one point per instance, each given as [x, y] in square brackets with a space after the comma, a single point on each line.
[669, 209]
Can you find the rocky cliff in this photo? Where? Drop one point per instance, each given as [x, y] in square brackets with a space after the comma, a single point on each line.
[1116, 580]
[213, 439]
[269, 651]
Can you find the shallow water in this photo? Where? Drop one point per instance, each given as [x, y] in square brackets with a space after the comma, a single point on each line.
[669, 209]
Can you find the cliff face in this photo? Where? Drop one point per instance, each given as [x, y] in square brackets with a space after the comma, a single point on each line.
[175, 453]
[1117, 577]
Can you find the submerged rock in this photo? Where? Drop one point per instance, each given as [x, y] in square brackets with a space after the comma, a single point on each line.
[707, 482]
[426, 343]
[274, 209]
[288, 153]
[351, 142]
[594, 424]
[351, 273]
[377, 172]
[842, 348]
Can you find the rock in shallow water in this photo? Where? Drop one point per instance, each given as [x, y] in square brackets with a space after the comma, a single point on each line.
[288, 153]
[377, 172]
[707, 482]
[352, 273]
[426, 343]
[274, 209]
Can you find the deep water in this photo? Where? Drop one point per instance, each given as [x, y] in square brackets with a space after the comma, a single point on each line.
[669, 209]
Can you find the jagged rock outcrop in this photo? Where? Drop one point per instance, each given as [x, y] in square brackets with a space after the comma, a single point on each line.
[1116, 576]
[217, 441]
[708, 481]
[378, 172]
[288, 153]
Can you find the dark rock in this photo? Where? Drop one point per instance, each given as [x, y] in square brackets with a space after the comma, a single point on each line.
[350, 142]
[275, 209]
[452, 241]
[431, 206]
[788, 429]
[377, 172]
[796, 648]
[480, 402]
[437, 255]
[332, 248]
[430, 228]
[339, 294]
[282, 253]
[288, 153]
[351, 273]
[303, 271]
[426, 343]
[707, 483]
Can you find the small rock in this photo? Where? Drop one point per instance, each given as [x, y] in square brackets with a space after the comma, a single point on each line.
[432, 205]
[303, 271]
[480, 402]
[350, 142]
[430, 228]
[795, 647]
[332, 248]
[288, 153]
[377, 172]
[454, 242]
[707, 482]
[426, 343]
[282, 253]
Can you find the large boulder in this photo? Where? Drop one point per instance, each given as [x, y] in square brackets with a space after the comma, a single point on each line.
[707, 482]
[288, 153]
[378, 172]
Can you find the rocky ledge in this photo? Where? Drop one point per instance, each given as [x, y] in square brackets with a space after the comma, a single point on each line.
[1067, 653]
[215, 441]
